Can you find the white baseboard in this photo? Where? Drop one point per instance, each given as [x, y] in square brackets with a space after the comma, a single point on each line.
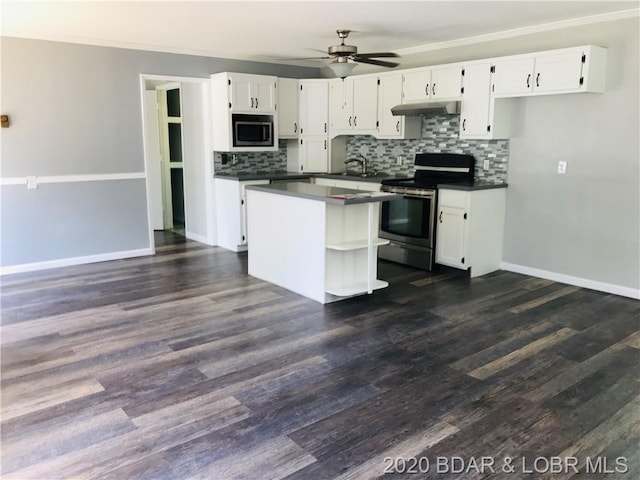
[576, 281]
[67, 262]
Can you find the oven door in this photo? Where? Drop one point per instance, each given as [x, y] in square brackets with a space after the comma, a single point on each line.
[409, 219]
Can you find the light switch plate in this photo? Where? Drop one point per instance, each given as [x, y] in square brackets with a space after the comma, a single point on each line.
[399, 160]
[486, 165]
[562, 167]
[32, 183]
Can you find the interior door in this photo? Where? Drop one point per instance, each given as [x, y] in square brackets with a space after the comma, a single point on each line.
[172, 154]
[154, 159]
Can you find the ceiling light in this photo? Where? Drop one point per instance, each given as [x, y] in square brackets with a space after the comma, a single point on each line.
[341, 69]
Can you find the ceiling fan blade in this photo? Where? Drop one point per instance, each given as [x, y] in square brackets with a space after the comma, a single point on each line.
[378, 54]
[304, 58]
[371, 61]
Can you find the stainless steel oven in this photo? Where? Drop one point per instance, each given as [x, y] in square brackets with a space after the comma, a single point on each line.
[408, 223]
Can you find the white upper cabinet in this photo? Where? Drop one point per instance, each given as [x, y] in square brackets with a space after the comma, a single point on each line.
[481, 115]
[476, 100]
[252, 93]
[288, 93]
[314, 107]
[569, 70]
[353, 105]
[435, 83]
[390, 95]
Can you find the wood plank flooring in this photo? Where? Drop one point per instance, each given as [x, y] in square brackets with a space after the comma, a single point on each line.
[182, 366]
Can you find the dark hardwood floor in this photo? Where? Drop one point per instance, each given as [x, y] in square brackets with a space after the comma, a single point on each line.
[180, 366]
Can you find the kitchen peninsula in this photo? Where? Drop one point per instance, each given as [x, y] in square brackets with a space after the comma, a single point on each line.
[315, 240]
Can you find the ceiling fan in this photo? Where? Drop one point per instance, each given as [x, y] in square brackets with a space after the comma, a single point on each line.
[341, 54]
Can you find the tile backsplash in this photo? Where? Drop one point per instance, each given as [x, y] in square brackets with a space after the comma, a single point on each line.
[249, 161]
[439, 134]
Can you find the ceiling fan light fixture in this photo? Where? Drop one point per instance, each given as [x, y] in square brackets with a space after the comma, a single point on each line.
[341, 69]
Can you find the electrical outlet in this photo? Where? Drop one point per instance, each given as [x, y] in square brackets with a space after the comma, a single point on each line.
[562, 167]
[32, 183]
[486, 165]
[399, 160]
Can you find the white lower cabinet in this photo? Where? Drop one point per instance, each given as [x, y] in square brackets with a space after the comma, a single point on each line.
[231, 212]
[469, 229]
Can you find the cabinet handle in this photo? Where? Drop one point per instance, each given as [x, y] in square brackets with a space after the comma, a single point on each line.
[440, 216]
[256, 102]
[433, 89]
[529, 81]
[349, 121]
[325, 127]
[537, 80]
[398, 126]
[325, 144]
[301, 130]
[464, 122]
[295, 127]
[251, 102]
[426, 90]
[355, 121]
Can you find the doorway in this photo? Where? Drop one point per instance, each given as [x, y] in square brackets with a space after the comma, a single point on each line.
[178, 156]
[171, 155]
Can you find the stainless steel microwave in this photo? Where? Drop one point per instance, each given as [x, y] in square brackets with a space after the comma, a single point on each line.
[252, 130]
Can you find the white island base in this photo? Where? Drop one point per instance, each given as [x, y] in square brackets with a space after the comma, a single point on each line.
[317, 245]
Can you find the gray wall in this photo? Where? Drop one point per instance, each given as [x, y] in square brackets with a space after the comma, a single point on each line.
[76, 109]
[585, 223]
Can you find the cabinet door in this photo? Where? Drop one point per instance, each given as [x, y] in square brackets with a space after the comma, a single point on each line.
[314, 155]
[243, 208]
[341, 104]
[365, 103]
[389, 95]
[559, 72]
[416, 86]
[287, 108]
[241, 93]
[314, 107]
[264, 94]
[513, 77]
[446, 82]
[476, 99]
[450, 237]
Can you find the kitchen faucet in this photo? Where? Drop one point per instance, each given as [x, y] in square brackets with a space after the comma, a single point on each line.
[363, 162]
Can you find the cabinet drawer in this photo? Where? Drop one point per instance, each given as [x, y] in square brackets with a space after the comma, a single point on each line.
[452, 198]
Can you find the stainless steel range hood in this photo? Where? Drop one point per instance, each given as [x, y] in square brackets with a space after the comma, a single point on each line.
[426, 108]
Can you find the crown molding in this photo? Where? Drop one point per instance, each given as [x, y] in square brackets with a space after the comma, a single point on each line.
[517, 32]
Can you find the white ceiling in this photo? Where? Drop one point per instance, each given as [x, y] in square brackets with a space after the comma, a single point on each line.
[269, 30]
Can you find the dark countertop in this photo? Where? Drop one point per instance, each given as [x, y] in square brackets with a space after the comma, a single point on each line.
[241, 175]
[469, 187]
[323, 193]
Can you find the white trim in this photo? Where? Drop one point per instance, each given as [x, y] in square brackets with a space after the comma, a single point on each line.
[103, 177]
[68, 262]
[577, 281]
[516, 32]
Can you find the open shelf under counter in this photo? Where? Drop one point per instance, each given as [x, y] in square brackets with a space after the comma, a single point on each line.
[356, 244]
[356, 288]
